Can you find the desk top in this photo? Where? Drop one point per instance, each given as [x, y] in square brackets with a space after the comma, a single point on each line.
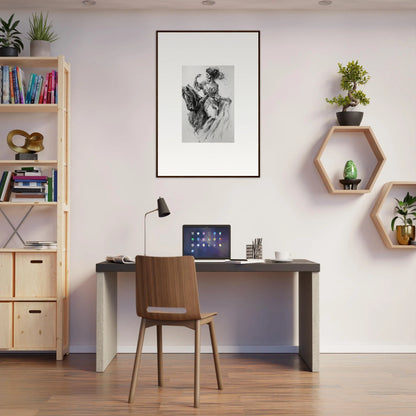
[297, 265]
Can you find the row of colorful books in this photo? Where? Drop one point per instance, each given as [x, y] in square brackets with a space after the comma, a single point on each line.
[28, 185]
[40, 89]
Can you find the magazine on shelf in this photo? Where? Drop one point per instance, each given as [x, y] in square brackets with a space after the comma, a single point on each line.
[121, 259]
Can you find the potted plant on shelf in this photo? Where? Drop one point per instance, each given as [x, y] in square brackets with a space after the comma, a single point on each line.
[353, 75]
[41, 35]
[10, 42]
[406, 210]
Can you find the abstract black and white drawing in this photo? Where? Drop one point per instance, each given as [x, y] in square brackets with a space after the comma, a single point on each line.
[207, 103]
[208, 95]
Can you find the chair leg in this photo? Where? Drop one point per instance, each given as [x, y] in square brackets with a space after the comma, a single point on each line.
[137, 361]
[159, 355]
[197, 362]
[215, 354]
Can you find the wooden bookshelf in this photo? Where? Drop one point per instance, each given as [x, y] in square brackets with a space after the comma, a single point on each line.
[37, 317]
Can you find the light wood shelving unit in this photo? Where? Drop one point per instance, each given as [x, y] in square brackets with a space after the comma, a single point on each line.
[34, 284]
[374, 146]
[382, 226]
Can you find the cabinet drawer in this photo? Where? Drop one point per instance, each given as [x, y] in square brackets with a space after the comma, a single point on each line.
[6, 275]
[5, 325]
[35, 325]
[35, 274]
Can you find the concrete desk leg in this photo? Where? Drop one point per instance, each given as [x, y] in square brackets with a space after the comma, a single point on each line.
[106, 336]
[309, 319]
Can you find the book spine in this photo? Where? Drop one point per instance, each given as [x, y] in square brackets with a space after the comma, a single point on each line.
[55, 185]
[50, 88]
[6, 96]
[3, 179]
[34, 89]
[30, 178]
[38, 88]
[53, 88]
[45, 92]
[1, 84]
[15, 86]
[56, 87]
[6, 186]
[29, 88]
[28, 183]
[49, 189]
[11, 86]
[20, 75]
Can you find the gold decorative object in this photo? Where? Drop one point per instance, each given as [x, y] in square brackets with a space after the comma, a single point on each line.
[33, 142]
[405, 233]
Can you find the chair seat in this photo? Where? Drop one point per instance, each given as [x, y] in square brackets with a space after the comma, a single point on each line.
[206, 317]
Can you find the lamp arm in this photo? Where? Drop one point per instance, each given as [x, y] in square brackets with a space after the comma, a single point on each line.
[144, 228]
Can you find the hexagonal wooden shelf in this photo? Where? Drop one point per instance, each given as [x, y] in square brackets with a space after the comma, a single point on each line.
[374, 146]
[375, 214]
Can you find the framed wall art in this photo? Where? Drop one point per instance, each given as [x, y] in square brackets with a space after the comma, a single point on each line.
[208, 104]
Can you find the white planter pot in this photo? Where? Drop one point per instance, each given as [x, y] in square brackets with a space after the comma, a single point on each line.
[40, 48]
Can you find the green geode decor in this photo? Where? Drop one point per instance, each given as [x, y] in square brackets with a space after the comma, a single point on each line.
[350, 170]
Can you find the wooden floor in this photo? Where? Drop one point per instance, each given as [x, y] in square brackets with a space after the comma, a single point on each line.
[254, 384]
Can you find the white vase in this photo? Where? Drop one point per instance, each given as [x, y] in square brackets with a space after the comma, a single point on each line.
[40, 48]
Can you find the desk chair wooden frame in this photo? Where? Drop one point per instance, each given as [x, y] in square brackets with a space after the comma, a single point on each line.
[164, 284]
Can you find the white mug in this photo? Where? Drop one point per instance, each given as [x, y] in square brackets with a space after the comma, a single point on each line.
[282, 255]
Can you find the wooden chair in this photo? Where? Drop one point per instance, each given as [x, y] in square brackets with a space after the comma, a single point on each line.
[167, 294]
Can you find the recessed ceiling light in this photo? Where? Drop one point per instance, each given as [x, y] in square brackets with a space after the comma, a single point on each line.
[325, 2]
[208, 2]
[89, 2]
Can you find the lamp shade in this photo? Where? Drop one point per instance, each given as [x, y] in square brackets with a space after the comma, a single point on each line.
[162, 208]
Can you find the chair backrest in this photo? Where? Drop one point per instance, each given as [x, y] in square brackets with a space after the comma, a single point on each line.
[167, 282]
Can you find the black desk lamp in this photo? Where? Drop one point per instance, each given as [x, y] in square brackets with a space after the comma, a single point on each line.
[163, 211]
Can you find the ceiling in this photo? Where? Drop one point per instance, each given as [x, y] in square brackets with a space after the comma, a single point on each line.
[288, 5]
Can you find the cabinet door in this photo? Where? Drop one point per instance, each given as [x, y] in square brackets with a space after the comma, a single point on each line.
[35, 325]
[6, 325]
[35, 275]
[6, 275]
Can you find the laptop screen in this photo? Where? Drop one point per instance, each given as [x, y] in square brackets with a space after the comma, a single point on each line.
[206, 241]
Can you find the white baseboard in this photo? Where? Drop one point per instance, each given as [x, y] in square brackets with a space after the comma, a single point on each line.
[82, 349]
[368, 349]
[221, 349]
[259, 349]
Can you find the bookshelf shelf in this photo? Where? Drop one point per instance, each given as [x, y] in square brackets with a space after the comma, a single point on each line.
[11, 163]
[28, 108]
[29, 204]
[32, 279]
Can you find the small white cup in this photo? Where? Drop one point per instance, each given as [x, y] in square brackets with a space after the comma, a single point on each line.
[282, 255]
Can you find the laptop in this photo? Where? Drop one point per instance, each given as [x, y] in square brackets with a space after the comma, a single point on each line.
[207, 242]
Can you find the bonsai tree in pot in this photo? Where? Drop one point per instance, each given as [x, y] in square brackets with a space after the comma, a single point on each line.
[353, 75]
[10, 42]
[41, 35]
[407, 213]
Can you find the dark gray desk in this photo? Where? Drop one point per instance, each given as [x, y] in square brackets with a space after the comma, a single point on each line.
[307, 271]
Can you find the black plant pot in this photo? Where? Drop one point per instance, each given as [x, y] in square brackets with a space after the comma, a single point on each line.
[349, 118]
[9, 51]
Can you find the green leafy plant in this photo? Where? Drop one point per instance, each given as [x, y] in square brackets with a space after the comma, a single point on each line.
[352, 75]
[406, 210]
[40, 28]
[9, 35]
